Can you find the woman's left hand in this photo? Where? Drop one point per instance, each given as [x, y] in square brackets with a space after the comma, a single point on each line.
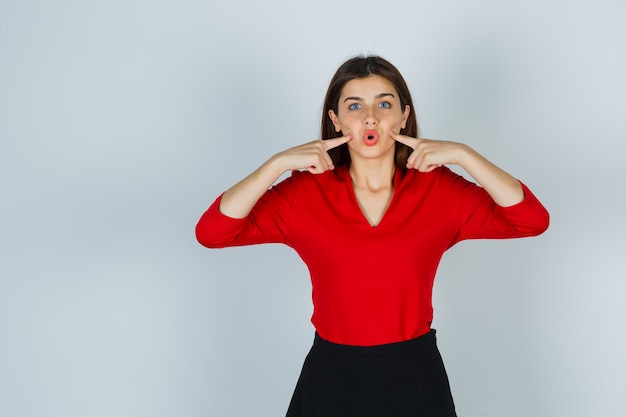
[428, 154]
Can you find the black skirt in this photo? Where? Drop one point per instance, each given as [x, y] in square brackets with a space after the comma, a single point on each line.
[393, 380]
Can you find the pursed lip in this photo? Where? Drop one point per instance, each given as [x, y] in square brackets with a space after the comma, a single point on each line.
[370, 137]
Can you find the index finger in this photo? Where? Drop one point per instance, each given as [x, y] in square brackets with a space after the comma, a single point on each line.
[334, 142]
[406, 140]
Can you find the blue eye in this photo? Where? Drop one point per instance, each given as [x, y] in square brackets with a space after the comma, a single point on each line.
[385, 105]
[354, 106]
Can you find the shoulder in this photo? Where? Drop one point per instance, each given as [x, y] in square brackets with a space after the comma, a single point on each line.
[439, 177]
[307, 179]
[303, 186]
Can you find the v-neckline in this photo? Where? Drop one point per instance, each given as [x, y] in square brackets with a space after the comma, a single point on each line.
[357, 205]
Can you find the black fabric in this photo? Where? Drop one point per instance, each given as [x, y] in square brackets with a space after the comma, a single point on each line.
[394, 380]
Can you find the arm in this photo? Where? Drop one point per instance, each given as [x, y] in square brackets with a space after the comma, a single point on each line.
[251, 212]
[231, 220]
[511, 210]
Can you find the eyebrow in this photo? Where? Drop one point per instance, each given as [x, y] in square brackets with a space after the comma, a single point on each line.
[381, 95]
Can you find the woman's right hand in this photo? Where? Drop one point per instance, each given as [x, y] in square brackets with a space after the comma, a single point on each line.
[238, 200]
[312, 156]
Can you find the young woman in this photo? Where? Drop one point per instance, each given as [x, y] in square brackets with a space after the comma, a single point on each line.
[371, 208]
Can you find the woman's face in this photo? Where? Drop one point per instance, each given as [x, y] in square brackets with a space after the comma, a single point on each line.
[369, 108]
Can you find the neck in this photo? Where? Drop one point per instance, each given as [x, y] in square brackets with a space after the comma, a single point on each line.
[373, 174]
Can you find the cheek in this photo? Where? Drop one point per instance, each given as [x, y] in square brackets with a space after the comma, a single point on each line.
[348, 121]
[346, 116]
[391, 122]
[398, 120]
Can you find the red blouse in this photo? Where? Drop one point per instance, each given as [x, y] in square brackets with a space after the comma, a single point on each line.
[373, 285]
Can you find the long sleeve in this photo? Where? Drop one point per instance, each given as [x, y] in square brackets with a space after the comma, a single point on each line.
[266, 223]
[481, 217]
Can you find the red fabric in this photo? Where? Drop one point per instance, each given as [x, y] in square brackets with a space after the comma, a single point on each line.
[373, 285]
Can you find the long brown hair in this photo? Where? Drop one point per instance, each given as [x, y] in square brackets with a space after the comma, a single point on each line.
[360, 67]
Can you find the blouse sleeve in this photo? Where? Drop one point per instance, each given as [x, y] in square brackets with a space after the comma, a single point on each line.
[480, 216]
[266, 222]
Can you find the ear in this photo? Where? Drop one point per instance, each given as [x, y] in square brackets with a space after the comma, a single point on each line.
[335, 120]
[405, 115]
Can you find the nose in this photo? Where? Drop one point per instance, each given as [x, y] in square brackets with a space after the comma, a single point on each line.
[370, 118]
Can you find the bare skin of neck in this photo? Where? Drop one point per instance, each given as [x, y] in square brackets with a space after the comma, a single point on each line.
[372, 182]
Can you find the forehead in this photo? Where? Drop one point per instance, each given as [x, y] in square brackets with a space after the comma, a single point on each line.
[368, 87]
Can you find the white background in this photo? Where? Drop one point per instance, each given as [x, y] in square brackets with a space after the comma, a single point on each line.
[121, 121]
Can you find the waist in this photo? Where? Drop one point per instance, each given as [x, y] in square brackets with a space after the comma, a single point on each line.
[389, 349]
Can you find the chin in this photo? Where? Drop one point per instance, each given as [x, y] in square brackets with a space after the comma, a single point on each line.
[373, 153]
